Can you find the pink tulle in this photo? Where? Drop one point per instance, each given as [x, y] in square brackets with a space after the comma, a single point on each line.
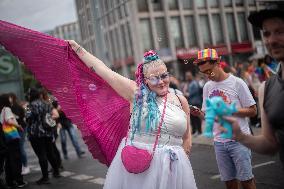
[100, 113]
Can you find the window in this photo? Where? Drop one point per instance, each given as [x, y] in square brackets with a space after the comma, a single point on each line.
[239, 2]
[79, 4]
[93, 46]
[243, 26]
[162, 33]
[173, 5]
[157, 5]
[89, 15]
[106, 5]
[113, 50]
[201, 4]
[142, 5]
[124, 43]
[108, 20]
[119, 9]
[205, 30]
[81, 23]
[251, 2]
[125, 9]
[190, 30]
[187, 4]
[217, 29]
[118, 45]
[176, 32]
[130, 46]
[85, 27]
[108, 47]
[213, 3]
[228, 3]
[110, 14]
[231, 27]
[146, 34]
[91, 29]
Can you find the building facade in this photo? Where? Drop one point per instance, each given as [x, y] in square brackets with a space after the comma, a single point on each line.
[67, 31]
[176, 29]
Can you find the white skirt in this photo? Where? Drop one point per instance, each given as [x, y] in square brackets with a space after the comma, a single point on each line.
[164, 173]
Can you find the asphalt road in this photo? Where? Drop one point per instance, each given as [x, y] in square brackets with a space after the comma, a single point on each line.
[87, 173]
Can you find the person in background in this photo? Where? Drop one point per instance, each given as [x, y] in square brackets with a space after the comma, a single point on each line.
[193, 92]
[67, 126]
[10, 126]
[19, 112]
[174, 86]
[44, 95]
[3, 152]
[41, 136]
[233, 158]
[271, 92]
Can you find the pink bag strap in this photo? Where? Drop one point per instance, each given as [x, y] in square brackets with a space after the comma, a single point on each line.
[159, 128]
[161, 123]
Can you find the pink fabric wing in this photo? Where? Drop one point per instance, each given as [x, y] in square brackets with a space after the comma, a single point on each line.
[100, 113]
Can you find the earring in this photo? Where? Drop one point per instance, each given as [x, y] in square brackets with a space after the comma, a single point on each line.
[212, 74]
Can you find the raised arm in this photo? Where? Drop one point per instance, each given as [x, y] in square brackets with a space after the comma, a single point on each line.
[122, 85]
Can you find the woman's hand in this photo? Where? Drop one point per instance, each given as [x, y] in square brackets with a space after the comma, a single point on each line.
[186, 145]
[75, 46]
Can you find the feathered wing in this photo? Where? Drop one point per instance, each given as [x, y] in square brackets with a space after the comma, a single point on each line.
[99, 112]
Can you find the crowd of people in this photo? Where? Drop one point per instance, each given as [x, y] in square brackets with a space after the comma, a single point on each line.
[29, 119]
[252, 72]
[164, 114]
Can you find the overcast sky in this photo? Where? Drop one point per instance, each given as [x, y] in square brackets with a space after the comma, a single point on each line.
[40, 15]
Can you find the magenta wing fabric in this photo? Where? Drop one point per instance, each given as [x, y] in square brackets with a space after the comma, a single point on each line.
[100, 113]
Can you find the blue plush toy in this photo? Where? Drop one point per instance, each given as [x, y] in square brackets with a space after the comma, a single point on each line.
[216, 107]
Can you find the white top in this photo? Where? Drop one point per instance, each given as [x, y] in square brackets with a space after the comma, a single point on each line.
[8, 115]
[175, 91]
[232, 89]
[174, 127]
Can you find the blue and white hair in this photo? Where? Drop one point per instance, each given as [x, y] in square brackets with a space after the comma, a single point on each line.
[145, 105]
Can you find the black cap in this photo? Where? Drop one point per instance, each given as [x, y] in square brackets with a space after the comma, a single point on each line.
[274, 9]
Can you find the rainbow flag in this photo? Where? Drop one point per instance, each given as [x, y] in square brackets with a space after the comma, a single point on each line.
[10, 132]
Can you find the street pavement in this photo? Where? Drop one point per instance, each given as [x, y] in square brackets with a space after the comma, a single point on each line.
[87, 173]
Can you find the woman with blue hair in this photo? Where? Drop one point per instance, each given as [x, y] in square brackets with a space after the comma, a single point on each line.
[159, 124]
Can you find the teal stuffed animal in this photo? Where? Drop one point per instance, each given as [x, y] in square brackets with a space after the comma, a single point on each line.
[216, 107]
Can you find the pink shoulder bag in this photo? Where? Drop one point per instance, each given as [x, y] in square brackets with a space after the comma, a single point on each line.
[137, 160]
